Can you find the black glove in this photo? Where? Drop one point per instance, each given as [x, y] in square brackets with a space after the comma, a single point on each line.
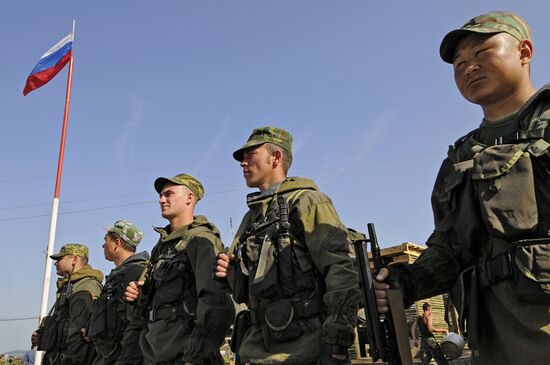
[341, 356]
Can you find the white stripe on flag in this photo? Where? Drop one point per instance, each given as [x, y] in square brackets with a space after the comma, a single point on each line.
[61, 43]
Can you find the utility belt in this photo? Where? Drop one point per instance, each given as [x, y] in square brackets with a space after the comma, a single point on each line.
[493, 271]
[527, 267]
[299, 309]
[168, 312]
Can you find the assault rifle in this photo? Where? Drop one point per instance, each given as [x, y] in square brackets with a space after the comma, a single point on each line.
[387, 334]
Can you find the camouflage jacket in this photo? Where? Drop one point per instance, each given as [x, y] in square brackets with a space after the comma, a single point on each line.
[72, 316]
[302, 292]
[489, 193]
[187, 314]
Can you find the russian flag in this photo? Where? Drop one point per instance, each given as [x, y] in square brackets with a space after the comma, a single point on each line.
[50, 64]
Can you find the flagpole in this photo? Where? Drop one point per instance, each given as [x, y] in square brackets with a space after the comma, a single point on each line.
[55, 204]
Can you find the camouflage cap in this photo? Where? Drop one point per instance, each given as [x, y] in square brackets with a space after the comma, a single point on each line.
[489, 23]
[126, 231]
[76, 249]
[182, 179]
[259, 136]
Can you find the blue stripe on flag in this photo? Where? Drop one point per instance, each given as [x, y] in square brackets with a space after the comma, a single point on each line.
[52, 59]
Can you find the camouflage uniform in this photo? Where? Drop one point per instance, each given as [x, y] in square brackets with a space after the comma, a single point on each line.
[62, 328]
[492, 191]
[115, 324]
[302, 291]
[187, 314]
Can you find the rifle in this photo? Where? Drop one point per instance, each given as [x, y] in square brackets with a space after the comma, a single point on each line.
[386, 334]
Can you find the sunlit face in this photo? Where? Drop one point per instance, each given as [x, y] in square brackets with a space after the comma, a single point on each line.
[257, 166]
[109, 246]
[65, 264]
[174, 200]
[488, 67]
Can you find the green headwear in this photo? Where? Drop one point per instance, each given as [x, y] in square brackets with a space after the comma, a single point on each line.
[182, 179]
[76, 249]
[490, 23]
[259, 136]
[126, 231]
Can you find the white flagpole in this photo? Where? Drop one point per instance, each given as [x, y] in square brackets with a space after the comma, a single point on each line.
[55, 205]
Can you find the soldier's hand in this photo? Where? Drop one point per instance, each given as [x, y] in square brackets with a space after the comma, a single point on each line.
[222, 264]
[380, 290]
[34, 339]
[132, 290]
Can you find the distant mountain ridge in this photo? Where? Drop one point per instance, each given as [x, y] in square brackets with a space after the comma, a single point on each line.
[15, 353]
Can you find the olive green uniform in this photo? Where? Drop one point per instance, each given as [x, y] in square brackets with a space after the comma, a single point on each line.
[303, 292]
[70, 314]
[115, 324]
[493, 190]
[187, 314]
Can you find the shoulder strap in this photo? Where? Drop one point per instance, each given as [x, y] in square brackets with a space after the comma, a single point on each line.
[464, 148]
[192, 233]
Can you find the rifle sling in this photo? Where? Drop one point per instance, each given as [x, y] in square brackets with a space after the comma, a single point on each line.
[397, 309]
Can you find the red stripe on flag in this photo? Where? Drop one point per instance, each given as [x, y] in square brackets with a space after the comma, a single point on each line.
[39, 79]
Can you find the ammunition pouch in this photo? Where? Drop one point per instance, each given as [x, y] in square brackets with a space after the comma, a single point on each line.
[532, 270]
[280, 319]
[98, 317]
[503, 173]
[48, 333]
[240, 326]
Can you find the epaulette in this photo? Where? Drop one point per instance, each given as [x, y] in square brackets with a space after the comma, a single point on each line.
[463, 139]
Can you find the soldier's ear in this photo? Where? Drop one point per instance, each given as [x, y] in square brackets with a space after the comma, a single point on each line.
[526, 51]
[277, 157]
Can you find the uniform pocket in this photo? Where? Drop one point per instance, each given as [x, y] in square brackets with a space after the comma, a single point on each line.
[532, 261]
[506, 190]
[281, 322]
[48, 334]
[446, 199]
[98, 319]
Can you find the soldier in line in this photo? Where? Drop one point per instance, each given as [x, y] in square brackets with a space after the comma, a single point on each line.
[491, 199]
[60, 333]
[290, 262]
[115, 325]
[187, 314]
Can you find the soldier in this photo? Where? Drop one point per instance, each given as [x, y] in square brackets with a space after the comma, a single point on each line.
[188, 315]
[491, 199]
[290, 262]
[60, 333]
[115, 325]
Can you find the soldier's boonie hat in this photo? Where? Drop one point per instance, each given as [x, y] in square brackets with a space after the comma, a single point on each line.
[259, 136]
[182, 179]
[490, 23]
[126, 231]
[76, 249]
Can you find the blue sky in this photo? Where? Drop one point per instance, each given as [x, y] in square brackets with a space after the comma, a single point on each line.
[176, 86]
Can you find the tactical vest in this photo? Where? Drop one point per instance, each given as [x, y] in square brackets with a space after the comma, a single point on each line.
[108, 314]
[54, 329]
[502, 184]
[171, 283]
[284, 287]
